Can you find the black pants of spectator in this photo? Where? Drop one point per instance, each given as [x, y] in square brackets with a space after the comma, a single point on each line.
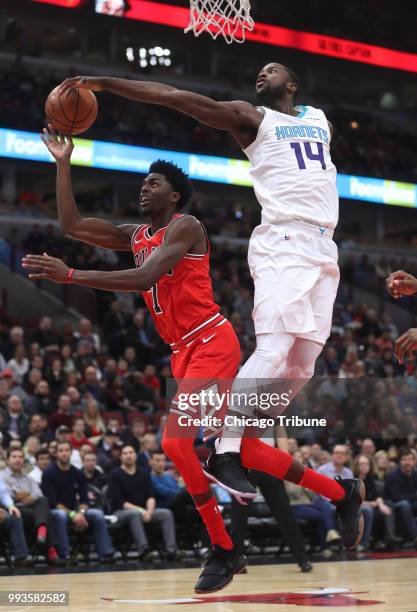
[186, 515]
[39, 514]
[276, 497]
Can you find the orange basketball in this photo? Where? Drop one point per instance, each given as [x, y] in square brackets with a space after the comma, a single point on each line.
[72, 112]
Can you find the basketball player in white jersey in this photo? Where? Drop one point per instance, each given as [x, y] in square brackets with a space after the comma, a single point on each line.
[292, 258]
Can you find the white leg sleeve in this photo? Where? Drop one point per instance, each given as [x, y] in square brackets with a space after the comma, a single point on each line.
[270, 354]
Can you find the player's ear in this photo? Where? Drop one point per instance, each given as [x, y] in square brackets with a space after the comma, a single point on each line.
[292, 88]
[176, 196]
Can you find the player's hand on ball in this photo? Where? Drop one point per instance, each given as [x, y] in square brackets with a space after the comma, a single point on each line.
[60, 147]
[46, 267]
[401, 283]
[82, 82]
[406, 344]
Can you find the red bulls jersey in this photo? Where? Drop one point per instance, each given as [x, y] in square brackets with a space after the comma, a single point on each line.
[181, 302]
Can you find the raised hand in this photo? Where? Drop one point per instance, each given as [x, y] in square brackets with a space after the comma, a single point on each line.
[401, 283]
[406, 344]
[46, 267]
[60, 147]
[82, 82]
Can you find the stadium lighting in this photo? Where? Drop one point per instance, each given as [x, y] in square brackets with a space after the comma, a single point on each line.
[153, 56]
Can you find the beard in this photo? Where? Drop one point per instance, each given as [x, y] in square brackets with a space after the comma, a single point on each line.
[270, 95]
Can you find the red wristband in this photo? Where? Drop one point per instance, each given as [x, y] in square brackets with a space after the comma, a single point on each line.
[69, 276]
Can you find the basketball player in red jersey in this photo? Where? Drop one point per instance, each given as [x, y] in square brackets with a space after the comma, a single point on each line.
[172, 259]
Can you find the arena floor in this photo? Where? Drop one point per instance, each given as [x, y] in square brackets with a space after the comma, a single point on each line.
[383, 585]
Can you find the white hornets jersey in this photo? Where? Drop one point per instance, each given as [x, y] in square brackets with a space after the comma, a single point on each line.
[291, 168]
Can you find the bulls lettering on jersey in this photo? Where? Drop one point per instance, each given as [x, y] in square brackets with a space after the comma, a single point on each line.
[181, 302]
[291, 168]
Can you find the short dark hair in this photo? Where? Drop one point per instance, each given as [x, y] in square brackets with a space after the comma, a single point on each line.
[293, 77]
[13, 450]
[40, 452]
[158, 451]
[66, 442]
[404, 452]
[176, 177]
[126, 445]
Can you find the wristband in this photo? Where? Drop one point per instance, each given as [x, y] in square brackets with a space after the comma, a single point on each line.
[69, 276]
[141, 510]
[72, 514]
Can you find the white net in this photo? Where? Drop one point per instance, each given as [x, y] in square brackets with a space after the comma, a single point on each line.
[231, 18]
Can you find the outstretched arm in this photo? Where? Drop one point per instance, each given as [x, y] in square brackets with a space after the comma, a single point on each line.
[241, 119]
[97, 232]
[185, 234]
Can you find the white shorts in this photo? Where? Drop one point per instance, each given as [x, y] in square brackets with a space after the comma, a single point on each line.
[296, 276]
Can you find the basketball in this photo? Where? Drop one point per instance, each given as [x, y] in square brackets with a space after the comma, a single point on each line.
[72, 112]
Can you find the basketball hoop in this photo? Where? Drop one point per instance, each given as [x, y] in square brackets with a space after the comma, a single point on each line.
[230, 18]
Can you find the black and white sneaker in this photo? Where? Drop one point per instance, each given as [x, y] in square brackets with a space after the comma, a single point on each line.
[227, 471]
[349, 511]
[219, 570]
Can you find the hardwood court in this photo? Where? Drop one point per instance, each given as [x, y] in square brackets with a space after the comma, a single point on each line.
[386, 585]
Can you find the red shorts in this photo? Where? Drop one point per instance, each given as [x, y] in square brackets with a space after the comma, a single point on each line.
[208, 365]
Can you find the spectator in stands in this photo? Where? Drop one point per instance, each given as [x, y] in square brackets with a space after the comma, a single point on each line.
[140, 395]
[85, 333]
[115, 425]
[170, 494]
[130, 356]
[368, 447]
[43, 459]
[19, 364]
[11, 519]
[95, 426]
[67, 361]
[93, 472]
[132, 498]
[115, 455]
[75, 399]
[306, 506]
[96, 480]
[38, 426]
[134, 434]
[92, 385]
[382, 465]
[16, 421]
[373, 507]
[63, 434]
[56, 377]
[4, 394]
[53, 449]
[28, 498]
[401, 493]
[114, 321]
[62, 483]
[104, 449]
[151, 380]
[16, 338]
[337, 466]
[149, 444]
[45, 335]
[63, 415]
[78, 437]
[30, 448]
[83, 357]
[41, 402]
[31, 380]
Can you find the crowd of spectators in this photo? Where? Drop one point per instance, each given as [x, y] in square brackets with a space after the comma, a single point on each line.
[82, 412]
